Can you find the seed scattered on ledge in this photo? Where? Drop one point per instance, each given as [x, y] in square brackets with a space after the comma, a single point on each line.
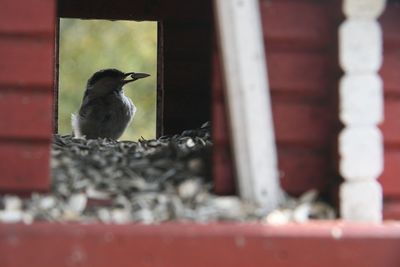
[148, 181]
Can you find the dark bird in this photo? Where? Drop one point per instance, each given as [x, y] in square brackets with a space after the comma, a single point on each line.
[105, 111]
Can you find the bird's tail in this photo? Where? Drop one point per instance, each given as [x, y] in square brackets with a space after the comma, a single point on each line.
[76, 131]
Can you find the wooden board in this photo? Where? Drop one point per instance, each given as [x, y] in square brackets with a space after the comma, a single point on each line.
[136, 10]
[25, 114]
[389, 22]
[391, 210]
[300, 41]
[24, 166]
[302, 169]
[389, 71]
[391, 126]
[26, 85]
[303, 72]
[197, 245]
[297, 25]
[35, 17]
[26, 61]
[307, 124]
[390, 176]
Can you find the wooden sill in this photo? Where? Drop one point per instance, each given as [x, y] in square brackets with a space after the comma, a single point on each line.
[327, 244]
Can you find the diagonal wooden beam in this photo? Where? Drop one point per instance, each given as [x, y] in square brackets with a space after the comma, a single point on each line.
[247, 90]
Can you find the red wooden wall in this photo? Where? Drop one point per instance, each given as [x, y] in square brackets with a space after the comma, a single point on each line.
[300, 37]
[300, 41]
[301, 52]
[390, 72]
[301, 48]
[26, 90]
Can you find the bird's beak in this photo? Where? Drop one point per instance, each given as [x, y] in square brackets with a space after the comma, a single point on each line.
[134, 76]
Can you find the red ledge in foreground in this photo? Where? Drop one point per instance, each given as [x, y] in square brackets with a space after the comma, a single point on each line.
[326, 244]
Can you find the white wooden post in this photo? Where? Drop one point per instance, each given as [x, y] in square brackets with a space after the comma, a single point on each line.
[361, 110]
[241, 40]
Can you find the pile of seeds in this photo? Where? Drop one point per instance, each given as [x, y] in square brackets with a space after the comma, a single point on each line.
[148, 181]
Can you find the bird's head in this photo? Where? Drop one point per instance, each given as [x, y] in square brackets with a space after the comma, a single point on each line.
[112, 79]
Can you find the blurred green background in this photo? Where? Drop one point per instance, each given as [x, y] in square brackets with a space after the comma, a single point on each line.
[89, 45]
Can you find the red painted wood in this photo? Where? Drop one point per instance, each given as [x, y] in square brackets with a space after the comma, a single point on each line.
[176, 245]
[25, 114]
[26, 62]
[302, 169]
[306, 124]
[306, 73]
[27, 17]
[24, 166]
[297, 24]
[300, 40]
[223, 173]
[391, 124]
[391, 210]
[220, 121]
[390, 20]
[26, 84]
[390, 24]
[390, 71]
[390, 177]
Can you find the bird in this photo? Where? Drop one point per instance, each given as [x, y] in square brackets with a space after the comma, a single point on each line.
[105, 111]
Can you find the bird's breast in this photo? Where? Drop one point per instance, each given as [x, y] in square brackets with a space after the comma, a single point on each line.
[121, 109]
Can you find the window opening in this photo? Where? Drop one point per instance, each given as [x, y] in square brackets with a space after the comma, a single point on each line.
[86, 46]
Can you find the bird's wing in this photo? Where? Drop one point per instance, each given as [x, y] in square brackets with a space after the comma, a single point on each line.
[94, 110]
